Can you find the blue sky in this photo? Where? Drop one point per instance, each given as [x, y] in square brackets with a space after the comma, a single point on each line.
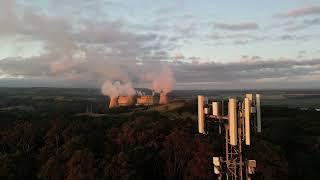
[42, 40]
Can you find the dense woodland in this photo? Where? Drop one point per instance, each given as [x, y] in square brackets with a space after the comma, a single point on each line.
[52, 142]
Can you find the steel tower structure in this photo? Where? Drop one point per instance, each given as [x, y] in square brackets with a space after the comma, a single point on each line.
[243, 118]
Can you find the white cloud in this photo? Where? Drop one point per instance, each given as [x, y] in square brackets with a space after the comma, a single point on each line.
[301, 11]
[89, 51]
[237, 26]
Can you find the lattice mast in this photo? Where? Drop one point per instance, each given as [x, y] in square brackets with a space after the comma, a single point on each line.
[243, 118]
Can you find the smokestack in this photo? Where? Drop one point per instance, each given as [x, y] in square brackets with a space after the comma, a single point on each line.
[113, 102]
[163, 98]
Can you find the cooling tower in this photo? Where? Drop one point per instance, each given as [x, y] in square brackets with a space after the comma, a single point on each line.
[145, 100]
[113, 102]
[125, 101]
[163, 98]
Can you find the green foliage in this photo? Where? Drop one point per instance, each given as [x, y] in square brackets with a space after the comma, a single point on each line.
[49, 141]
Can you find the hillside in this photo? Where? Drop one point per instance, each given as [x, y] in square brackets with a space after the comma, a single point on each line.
[154, 143]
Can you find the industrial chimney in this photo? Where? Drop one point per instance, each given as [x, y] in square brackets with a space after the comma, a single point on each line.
[113, 102]
[163, 98]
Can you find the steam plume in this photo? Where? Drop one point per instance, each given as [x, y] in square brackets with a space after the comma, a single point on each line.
[113, 90]
[162, 81]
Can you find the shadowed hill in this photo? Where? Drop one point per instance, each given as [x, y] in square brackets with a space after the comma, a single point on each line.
[148, 144]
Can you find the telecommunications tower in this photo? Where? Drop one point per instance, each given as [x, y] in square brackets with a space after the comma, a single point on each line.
[239, 119]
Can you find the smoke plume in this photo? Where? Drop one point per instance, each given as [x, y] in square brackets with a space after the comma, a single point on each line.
[115, 89]
[162, 81]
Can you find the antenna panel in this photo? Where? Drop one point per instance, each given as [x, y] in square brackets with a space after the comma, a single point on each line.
[258, 109]
[247, 120]
[200, 115]
[250, 96]
[233, 121]
[216, 164]
[216, 108]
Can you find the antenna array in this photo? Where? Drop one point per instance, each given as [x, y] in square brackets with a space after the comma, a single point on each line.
[243, 119]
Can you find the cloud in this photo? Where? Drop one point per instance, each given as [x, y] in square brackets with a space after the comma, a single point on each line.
[311, 22]
[79, 49]
[237, 38]
[90, 51]
[301, 54]
[178, 56]
[302, 11]
[253, 70]
[293, 37]
[218, 36]
[240, 42]
[237, 27]
[306, 23]
[194, 74]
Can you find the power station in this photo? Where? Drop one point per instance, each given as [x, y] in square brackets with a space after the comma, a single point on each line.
[142, 100]
[238, 119]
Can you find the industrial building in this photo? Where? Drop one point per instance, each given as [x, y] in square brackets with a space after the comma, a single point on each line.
[125, 101]
[145, 100]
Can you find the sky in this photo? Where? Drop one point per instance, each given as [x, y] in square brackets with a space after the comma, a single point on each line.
[205, 44]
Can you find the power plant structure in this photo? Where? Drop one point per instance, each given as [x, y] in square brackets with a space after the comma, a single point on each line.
[125, 100]
[163, 98]
[142, 100]
[146, 100]
[237, 120]
[113, 102]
